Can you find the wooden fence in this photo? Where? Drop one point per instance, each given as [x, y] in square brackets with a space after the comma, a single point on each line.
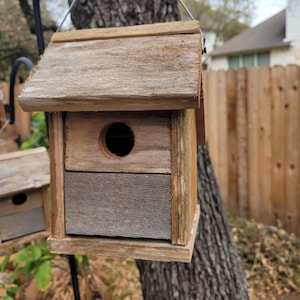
[22, 119]
[253, 133]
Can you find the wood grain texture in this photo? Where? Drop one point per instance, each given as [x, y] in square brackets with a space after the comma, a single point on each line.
[56, 137]
[127, 248]
[253, 144]
[146, 73]
[184, 174]
[292, 165]
[169, 28]
[242, 143]
[231, 95]
[86, 151]
[264, 145]
[34, 200]
[22, 223]
[277, 144]
[24, 170]
[112, 204]
[20, 242]
[222, 134]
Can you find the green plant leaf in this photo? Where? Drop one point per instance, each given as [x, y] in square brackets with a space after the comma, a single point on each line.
[27, 268]
[36, 252]
[22, 256]
[43, 276]
[5, 262]
[12, 292]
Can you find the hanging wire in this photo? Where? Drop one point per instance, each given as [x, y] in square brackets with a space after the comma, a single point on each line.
[187, 10]
[192, 18]
[66, 15]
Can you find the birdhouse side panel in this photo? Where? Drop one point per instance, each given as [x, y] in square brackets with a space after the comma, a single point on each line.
[112, 204]
[131, 142]
[21, 224]
[184, 175]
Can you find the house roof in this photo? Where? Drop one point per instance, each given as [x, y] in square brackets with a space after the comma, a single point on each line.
[266, 35]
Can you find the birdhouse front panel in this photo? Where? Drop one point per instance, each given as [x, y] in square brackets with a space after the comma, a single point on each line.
[122, 139]
[24, 178]
[125, 160]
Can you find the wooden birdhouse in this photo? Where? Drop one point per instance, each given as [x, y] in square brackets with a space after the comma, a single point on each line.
[24, 179]
[123, 139]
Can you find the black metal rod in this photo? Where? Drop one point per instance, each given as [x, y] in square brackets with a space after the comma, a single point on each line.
[29, 64]
[73, 269]
[38, 26]
[41, 48]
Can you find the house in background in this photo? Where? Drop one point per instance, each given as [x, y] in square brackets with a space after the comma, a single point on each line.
[275, 41]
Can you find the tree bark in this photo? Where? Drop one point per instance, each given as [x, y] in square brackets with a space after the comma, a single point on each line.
[117, 13]
[215, 271]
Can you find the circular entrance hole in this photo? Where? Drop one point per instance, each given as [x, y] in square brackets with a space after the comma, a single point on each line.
[118, 139]
[19, 199]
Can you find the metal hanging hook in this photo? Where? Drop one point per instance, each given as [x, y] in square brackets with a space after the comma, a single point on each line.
[10, 114]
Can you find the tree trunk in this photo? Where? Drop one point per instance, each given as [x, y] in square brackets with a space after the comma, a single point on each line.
[215, 271]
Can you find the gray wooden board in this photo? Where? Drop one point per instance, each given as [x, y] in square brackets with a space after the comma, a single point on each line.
[118, 204]
[21, 224]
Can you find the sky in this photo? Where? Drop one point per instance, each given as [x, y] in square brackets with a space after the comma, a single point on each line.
[267, 8]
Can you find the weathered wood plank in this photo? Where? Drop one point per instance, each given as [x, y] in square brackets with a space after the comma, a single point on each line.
[222, 134]
[242, 144]
[56, 137]
[34, 199]
[112, 204]
[277, 143]
[253, 144]
[86, 150]
[22, 223]
[211, 103]
[157, 29]
[231, 95]
[264, 145]
[291, 121]
[117, 74]
[127, 248]
[19, 242]
[184, 174]
[24, 170]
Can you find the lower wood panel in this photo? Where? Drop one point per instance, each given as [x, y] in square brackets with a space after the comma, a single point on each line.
[127, 248]
[118, 204]
[21, 224]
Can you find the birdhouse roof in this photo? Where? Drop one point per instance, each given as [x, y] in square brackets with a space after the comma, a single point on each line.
[145, 67]
[24, 170]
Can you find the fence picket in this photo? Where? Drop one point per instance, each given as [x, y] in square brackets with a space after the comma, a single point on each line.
[242, 179]
[264, 94]
[291, 119]
[277, 144]
[231, 95]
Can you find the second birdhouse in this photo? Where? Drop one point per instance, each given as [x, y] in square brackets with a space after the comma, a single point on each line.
[123, 139]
